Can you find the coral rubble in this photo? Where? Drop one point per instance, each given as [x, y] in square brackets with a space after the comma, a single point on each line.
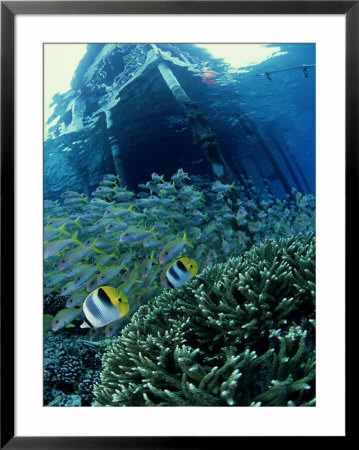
[72, 363]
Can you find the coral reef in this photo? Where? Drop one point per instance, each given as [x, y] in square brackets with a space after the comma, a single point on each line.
[241, 333]
[53, 303]
[72, 364]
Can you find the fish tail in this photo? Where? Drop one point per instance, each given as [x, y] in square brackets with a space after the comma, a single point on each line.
[76, 221]
[186, 241]
[62, 230]
[135, 280]
[153, 257]
[152, 232]
[116, 257]
[74, 239]
[93, 247]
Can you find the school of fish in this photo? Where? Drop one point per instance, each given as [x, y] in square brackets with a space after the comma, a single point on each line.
[113, 251]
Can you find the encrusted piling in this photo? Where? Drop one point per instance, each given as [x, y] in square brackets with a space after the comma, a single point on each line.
[115, 149]
[270, 155]
[202, 133]
[290, 167]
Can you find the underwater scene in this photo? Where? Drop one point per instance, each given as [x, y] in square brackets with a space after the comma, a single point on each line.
[179, 225]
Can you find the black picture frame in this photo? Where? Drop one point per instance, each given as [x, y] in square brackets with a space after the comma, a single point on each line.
[9, 9]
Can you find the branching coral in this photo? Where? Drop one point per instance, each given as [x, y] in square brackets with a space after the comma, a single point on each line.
[240, 333]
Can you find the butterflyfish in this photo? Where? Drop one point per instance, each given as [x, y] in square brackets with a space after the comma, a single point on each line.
[181, 271]
[104, 305]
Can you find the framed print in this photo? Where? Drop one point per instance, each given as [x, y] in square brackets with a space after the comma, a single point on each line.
[175, 183]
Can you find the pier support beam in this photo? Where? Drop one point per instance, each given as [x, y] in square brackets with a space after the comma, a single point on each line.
[115, 150]
[290, 167]
[270, 155]
[201, 132]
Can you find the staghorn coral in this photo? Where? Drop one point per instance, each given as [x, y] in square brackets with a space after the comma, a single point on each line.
[240, 333]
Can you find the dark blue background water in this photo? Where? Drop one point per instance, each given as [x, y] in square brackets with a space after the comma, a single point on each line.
[283, 109]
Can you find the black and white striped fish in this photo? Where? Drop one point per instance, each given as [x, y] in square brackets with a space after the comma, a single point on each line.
[181, 271]
[104, 305]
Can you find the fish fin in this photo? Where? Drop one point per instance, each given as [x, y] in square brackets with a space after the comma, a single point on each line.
[153, 257]
[114, 254]
[186, 241]
[134, 279]
[93, 247]
[152, 232]
[76, 221]
[75, 240]
[85, 325]
[84, 199]
[62, 230]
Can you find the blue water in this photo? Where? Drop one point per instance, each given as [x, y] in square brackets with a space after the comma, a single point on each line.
[167, 195]
[283, 108]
